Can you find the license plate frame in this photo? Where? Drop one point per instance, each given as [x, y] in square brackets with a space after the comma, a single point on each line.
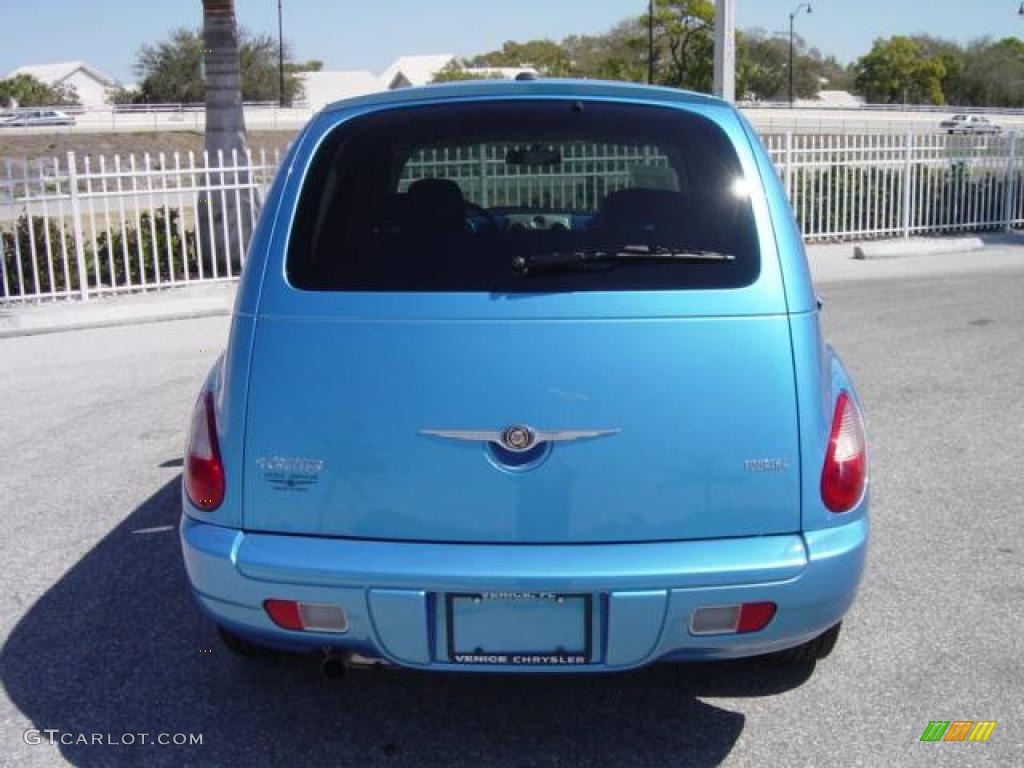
[520, 657]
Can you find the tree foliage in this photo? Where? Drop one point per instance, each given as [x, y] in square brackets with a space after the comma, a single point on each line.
[684, 43]
[683, 54]
[27, 91]
[762, 68]
[546, 56]
[455, 71]
[170, 71]
[896, 70]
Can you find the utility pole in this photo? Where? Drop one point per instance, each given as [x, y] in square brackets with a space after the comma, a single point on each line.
[792, 16]
[725, 49]
[650, 42]
[280, 57]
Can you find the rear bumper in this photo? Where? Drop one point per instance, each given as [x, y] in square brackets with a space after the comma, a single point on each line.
[643, 594]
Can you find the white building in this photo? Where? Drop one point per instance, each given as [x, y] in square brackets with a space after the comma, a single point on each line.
[325, 87]
[410, 71]
[92, 86]
[322, 88]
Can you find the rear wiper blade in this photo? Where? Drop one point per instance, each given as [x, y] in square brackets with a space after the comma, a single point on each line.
[609, 258]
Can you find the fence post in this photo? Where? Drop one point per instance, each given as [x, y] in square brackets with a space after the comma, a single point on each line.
[76, 223]
[1009, 184]
[908, 197]
[789, 166]
[484, 197]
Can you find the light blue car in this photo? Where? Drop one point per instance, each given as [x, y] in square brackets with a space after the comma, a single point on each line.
[527, 376]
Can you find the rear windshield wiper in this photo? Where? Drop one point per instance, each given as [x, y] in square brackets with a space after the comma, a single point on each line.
[582, 259]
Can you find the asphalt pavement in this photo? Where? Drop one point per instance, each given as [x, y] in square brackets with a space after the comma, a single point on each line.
[101, 637]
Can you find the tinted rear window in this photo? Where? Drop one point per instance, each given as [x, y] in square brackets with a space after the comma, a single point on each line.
[521, 197]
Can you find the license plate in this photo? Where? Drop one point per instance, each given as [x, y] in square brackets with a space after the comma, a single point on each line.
[519, 628]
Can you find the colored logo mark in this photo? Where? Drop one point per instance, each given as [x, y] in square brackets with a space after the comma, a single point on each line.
[958, 730]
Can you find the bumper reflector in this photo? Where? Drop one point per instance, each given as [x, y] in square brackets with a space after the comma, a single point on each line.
[731, 619]
[306, 617]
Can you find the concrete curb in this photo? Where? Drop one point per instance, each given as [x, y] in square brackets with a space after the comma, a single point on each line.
[176, 304]
[916, 246]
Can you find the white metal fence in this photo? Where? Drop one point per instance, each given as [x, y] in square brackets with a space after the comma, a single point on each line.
[83, 226]
[883, 185]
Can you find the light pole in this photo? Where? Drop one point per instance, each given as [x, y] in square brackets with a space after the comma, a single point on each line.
[725, 50]
[650, 42]
[280, 57]
[792, 16]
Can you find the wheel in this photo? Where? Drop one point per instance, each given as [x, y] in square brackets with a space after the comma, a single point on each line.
[242, 647]
[812, 650]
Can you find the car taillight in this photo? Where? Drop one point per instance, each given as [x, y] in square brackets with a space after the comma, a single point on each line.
[306, 617]
[204, 470]
[845, 473]
[736, 618]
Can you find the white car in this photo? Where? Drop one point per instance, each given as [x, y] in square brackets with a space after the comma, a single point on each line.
[969, 124]
[37, 117]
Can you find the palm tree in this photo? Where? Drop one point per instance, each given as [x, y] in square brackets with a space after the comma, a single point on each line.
[225, 132]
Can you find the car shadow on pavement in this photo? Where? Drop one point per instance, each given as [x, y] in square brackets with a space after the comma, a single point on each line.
[116, 647]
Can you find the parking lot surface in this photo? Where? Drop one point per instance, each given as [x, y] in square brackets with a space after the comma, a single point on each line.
[101, 637]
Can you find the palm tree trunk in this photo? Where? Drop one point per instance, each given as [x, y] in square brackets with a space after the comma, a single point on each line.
[224, 224]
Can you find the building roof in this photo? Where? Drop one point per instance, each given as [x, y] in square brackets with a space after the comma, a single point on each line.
[59, 71]
[324, 87]
[415, 70]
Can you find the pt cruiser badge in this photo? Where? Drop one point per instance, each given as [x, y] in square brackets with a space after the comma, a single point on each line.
[519, 438]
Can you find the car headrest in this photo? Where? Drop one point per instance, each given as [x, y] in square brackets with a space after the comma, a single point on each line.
[436, 205]
[638, 209]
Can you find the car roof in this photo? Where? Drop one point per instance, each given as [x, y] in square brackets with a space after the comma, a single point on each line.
[543, 88]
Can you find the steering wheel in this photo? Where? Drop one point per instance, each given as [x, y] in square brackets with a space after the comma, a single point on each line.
[478, 211]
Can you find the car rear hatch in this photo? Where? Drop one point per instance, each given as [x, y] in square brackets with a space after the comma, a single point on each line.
[657, 414]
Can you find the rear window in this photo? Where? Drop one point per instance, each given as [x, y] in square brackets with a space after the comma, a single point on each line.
[521, 197]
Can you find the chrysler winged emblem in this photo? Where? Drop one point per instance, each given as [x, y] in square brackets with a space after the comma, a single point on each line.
[519, 438]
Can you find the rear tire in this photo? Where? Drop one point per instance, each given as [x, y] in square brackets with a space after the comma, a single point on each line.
[242, 647]
[812, 650]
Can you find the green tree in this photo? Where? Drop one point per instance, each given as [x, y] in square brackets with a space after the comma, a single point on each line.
[836, 76]
[952, 56]
[620, 54]
[170, 71]
[762, 67]
[897, 70]
[455, 71]
[27, 91]
[546, 56]
[992, 74]
[684, 39]
[309, 65]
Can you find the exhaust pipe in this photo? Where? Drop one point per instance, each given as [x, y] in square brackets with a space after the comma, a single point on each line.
[333, 666]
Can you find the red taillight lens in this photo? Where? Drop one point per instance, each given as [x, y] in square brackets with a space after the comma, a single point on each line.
[755, 616]
[204, 470]
[284, 613]
[308, 617]
[731, 619]
[845, 473]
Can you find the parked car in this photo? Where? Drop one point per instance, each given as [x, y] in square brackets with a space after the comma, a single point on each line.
[969, 124]
[527, 376]
[37, 117]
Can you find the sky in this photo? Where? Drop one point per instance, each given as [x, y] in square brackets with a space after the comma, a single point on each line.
[357, 34]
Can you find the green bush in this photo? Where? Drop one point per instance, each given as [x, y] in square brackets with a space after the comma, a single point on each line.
[117, 260]
[17, 247]
[166, 232]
